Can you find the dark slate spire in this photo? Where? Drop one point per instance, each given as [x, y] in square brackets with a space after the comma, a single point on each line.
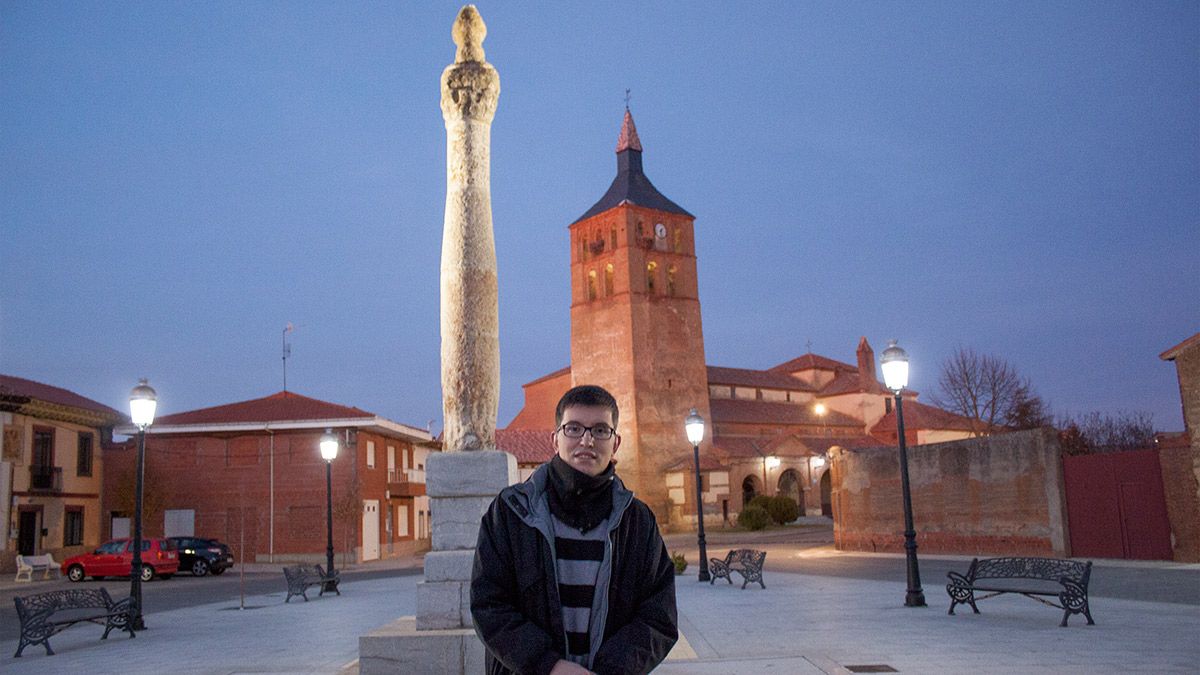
[631, 185]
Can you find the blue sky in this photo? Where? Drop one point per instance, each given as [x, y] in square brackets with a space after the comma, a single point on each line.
[178, 181]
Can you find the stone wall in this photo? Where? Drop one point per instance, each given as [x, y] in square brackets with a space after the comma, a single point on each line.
[995, 495]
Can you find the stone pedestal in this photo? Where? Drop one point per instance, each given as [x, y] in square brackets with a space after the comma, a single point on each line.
[440, 638]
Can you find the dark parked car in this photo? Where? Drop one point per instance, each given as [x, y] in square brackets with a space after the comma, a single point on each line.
[201, 556]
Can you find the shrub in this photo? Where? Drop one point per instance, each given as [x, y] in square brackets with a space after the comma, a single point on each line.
[680, 562]
[753, 517]
[783, 509]
[761, 501]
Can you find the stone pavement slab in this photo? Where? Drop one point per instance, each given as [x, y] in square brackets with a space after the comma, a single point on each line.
[798, 624]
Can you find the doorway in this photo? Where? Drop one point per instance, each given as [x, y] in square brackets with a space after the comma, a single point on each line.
[370, 533]
[27, 534]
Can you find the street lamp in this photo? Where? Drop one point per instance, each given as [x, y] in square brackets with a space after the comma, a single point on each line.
[895, 375]
[329, 451]
[694, 424]
[142, 404]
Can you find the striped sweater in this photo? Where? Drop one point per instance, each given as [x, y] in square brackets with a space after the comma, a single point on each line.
[578, 558]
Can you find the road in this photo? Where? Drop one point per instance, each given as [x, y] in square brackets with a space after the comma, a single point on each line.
[181, 590]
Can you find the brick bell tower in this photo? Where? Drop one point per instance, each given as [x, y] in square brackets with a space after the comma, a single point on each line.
[635, 319]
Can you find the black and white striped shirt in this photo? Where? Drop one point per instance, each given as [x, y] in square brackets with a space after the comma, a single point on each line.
[578, 558]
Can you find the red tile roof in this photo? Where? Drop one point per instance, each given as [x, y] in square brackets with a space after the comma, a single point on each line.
[920, 416]
[812, 361]
[849, 383]
[285, 406]
[708, 462]
[557, 373]
[530, 446]
[19, 390]
[1180, 348]
[775, 412]
[756, 378]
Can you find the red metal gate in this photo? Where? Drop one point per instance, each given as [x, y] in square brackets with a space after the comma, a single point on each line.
[1116, 507]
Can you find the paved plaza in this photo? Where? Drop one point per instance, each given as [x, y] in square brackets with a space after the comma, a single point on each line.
[801, 623]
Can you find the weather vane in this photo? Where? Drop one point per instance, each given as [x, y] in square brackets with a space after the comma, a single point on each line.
[627, 97]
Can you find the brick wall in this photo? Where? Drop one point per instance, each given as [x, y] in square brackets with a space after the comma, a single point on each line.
[995, 495]
[1181, 481]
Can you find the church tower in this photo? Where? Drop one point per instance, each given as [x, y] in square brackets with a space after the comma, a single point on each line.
[635, 319]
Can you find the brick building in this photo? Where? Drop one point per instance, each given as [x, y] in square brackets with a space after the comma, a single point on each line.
[51, 469]
[1181, 463]
[636, 330]
[251, 474]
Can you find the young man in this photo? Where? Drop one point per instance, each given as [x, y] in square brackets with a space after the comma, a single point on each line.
[571, 575]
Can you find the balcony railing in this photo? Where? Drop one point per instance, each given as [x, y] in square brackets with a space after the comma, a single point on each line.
[45, 478]
[406, 483]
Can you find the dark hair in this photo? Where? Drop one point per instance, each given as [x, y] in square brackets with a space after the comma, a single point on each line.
[586, 394]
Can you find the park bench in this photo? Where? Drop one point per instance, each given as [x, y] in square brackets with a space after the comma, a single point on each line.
[28, 564]
[746, 562]
[46, 614]
[1065, 579]
[300, 577]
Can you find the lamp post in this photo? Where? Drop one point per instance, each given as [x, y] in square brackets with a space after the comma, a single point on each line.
[694, 424]
[142, 403]
[895, 375]
[329, 451]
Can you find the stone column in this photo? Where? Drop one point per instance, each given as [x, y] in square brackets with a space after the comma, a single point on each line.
[463, 479]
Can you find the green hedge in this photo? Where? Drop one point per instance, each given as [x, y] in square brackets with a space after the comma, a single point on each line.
[783, 509]
[753, 517]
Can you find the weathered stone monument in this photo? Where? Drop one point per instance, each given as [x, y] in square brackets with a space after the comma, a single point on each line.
[463, 479]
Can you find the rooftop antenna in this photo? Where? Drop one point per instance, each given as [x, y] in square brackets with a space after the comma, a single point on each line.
[808, 345]
[287, 351]
[627, 97]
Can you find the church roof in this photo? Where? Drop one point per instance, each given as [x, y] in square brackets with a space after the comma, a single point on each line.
[920, 416]
[756, 378]
[849, 383]
[1180, 348]
[812, 361]
[631, 186]
[772, 412]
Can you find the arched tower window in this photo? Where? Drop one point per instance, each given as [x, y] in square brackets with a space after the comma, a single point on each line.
[613, 237]
[651, 273]
[671, 280]
[608, 279]
[640, 232]
[591, 284]
[677, 240]
[582, 247]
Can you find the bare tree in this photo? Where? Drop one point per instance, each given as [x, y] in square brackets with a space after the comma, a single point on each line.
[989, 392]
[347, 509]
[1095, 432]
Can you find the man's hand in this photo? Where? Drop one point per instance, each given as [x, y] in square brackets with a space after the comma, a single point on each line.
[564, 667]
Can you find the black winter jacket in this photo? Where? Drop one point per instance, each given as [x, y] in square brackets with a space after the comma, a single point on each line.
[514, 592]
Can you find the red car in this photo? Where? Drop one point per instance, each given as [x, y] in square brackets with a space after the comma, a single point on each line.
[115, 559]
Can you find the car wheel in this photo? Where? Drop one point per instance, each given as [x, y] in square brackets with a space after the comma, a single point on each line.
[147, 573]
[75, 573]
[200, 567]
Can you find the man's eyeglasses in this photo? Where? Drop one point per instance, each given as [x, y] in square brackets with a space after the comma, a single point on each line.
[600, 432]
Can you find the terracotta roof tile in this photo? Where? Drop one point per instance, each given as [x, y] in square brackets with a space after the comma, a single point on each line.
[285, 406]
[849, 383]
[1180, 348]
[16, 388]
[549, 376]
[530, 446]
[775, 412]
[708, 462]
[756, 378]
[812, 361]
[920, 416]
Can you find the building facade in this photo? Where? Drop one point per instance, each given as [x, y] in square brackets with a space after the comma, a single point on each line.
[251, 474]
[51, 469]
[636, 330]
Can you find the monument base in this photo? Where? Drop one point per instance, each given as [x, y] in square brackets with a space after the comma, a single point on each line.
[398, 647]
